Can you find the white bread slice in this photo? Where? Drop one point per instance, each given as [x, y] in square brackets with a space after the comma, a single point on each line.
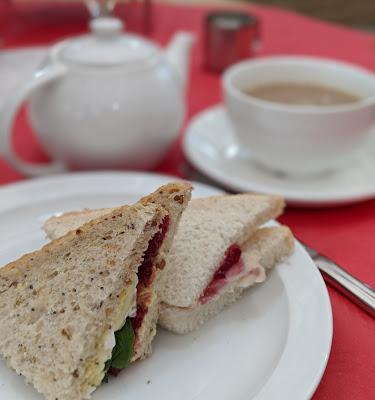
[268, 246]
[174, 198]
[208, 225]
[58, 304]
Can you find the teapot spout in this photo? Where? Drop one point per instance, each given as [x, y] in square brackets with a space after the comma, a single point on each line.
[178, 53]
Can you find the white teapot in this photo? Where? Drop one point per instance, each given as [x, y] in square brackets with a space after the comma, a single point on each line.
[104, 100]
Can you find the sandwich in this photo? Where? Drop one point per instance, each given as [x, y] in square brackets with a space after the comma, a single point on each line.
[240, 268]
[218, 251]
[87, 302]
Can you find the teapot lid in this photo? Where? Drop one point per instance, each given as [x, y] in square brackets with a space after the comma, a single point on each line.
[107, 46]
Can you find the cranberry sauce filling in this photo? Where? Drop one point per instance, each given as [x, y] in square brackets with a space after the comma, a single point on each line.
[232, 257]
[137, 320]
[146, 272]
[145, 278]
[146, 269]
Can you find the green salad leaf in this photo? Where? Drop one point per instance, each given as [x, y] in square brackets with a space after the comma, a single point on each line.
[123, 350]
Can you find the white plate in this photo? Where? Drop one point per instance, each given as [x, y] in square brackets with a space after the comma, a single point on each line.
[272, 344]
[210, 145]
[16, 66]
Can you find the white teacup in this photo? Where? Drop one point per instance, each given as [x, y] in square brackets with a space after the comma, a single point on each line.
[299, 139]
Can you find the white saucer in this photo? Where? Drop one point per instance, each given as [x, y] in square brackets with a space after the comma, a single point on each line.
[273, 343]
[210, 145]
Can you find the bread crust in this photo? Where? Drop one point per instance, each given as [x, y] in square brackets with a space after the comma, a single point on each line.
[173, 198]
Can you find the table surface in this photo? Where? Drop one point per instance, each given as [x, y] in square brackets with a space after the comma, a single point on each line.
[345, 233]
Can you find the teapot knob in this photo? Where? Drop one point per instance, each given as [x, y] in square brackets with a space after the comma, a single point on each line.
[100, 8]
[106, 26]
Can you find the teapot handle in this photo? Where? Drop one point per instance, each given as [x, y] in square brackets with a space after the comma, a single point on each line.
[7, 116]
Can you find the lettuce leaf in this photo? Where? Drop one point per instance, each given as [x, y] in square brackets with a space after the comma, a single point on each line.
[123, 350]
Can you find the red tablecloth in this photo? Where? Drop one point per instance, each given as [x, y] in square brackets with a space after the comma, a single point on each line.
[346, 234]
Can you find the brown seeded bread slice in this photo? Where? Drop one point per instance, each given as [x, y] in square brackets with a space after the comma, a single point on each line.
[174, 198]
[58, 304]
[268, 246]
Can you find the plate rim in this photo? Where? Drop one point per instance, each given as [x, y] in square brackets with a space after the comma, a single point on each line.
[7, 190]
[293, 196]
[311, 388]
[29, 185]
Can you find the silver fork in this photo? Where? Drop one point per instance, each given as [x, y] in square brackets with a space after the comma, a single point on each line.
[351, 287]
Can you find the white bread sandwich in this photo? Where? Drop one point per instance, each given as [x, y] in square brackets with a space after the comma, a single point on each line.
[240, 267]
[69, 311]
[218, 250]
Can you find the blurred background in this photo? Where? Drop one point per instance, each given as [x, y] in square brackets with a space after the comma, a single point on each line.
[355, 13]
[360, 13]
